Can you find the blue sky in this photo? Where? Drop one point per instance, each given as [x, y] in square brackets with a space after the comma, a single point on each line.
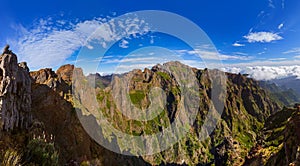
[258, 36]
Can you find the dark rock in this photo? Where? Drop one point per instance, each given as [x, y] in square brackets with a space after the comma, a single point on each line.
[15, 92]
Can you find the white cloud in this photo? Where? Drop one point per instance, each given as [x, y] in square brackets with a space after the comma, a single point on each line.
[240, 53]
[152, 40]
[238, 44]
[268, 62]
[280, 26]
[131, 60]
[123, 44]
[277, 59]
[266, 72]
[294, 51]
[271, 4]
[234, 57]
[261, 13]
[266, 69]
[208, 54]
[48, 44]
[263, 37]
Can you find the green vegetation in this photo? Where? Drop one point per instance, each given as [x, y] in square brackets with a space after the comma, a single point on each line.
[99, 84]
[164, 75]
[100, 97]
[242, 127]
[284, 97]
[136, 97]
[40, 152]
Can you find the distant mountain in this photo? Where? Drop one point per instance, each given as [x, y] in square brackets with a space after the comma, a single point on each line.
[251, 124]
[100, 81]
[283, 95]
[289, 83]
[247, 106]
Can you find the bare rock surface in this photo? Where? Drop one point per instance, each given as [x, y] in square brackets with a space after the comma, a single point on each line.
[15, 92]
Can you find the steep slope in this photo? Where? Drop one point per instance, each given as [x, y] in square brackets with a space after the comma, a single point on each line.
[280, 144]
[15, 90]
[55, 134]
[100, 81]
[281, 95]
[52, 105]
[247, 107]
[289, 82]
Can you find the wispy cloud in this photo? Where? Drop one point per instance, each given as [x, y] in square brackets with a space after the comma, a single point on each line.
[208, 54]
[294, 51]
[48, 44]
[261, 13]
[123, 44]
[262, 37]
[282, 4]
[267, 62]
[130, 59]
[280, 26]
[271, 4]
[277, 59]
[236, 44]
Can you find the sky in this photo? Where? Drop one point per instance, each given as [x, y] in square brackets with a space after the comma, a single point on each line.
[258, 37]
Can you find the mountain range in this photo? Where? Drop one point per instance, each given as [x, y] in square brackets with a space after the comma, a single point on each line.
[42, 117]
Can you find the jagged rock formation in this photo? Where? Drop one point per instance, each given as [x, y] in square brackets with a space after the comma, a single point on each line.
[15, 92]
[53, 106]
[280, 141]
[249, 132]
[100, 81]
[65, 72]
[246, 109]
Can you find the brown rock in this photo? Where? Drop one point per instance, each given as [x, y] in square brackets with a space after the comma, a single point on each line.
[65, 72]
[42, 76]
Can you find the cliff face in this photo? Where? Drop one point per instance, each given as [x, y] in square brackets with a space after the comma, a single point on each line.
[280, 141]
[15, 92]
[53, 106]
[246, 109]
[43, 102]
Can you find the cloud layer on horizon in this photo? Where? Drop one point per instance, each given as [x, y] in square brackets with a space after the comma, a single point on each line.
[266, 72]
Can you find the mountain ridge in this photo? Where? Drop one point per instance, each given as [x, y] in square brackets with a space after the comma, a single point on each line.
[55, 119]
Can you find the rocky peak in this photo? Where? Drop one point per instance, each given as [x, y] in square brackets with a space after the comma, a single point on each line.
[43, 75]
[65, 72]
[60, 82]
[48, 76]
[15, 92]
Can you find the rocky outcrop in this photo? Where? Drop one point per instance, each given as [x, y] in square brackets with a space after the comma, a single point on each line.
[54, 107]
[46, 97]
[15, 92]
[65, 72]
[246, 108]
[100, 81]
[280, 141]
